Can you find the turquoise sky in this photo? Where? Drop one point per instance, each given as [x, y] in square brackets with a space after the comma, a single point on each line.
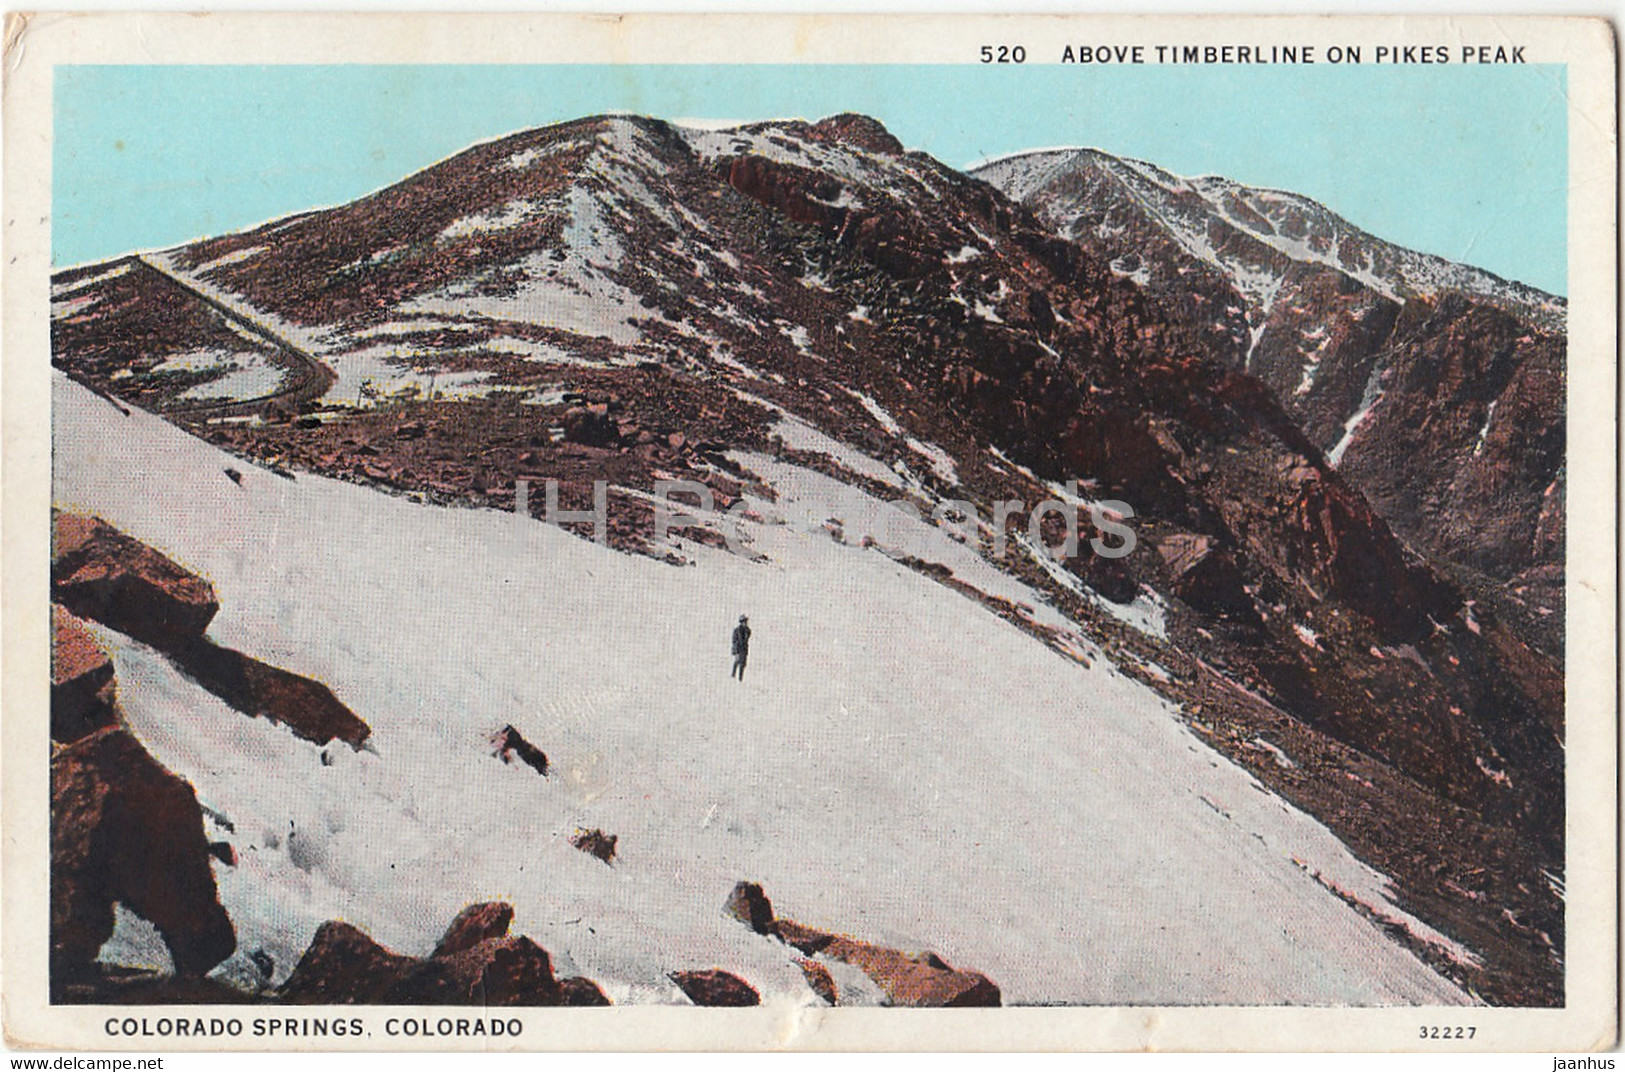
[1466, 162]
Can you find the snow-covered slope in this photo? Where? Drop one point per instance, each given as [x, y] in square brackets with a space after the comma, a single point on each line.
[899, 763]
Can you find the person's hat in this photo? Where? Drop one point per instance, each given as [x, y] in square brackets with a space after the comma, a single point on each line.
[743, 618]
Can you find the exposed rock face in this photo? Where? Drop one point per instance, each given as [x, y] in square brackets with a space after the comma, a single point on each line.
[125, 829]
[477, 963]
[1435, 387]
[508, 971]
[473, 925]
[716, 987]
[81, 680]
[98, 572]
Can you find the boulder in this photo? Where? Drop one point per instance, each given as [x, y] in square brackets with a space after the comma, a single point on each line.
[857, 130]
[921, 980]
[261, 690]
[748, 904]
[126, 829]
[595, 843]
[343, 966]
[590, 426]
[716, 988]
[100, 573]
[81, 680]
[473, 925]
[509, 971]
[509, 742]
[583, 992]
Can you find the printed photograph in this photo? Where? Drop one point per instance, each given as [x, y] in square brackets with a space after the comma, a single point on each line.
[979, 534]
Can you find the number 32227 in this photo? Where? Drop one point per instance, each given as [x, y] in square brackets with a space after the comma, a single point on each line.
[1448, 1032]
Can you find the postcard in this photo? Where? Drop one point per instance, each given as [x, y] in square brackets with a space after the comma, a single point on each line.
[526, 531]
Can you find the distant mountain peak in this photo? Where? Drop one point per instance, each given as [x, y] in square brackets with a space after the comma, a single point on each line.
[1072, 188]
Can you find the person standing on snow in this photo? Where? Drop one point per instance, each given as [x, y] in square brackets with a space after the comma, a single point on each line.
[741, 647]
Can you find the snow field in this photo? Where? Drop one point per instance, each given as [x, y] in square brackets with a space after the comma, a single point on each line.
[899, 764]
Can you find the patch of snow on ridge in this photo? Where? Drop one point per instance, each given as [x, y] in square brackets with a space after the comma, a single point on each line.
[504, 217]
[62, 290]
[909, 732]
[231, 258]
[571, 292]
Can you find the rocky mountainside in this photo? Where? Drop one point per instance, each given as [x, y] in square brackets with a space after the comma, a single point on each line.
[1437, 388]
[623, 300]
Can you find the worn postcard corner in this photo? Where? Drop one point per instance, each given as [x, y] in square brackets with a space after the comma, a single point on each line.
[929, 531]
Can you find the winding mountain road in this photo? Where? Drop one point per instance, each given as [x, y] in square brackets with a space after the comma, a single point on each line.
[307, 377]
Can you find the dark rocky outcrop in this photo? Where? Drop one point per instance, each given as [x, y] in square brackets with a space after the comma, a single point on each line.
[344, 966]
[81, 680]
[102, 573]
[305, 706]
[820, 980]
[581, 992]
[920, 980]
[717, 988]
[473, 925]
[1331, 596]
[476, 963]
[98, 572]
[125, 829]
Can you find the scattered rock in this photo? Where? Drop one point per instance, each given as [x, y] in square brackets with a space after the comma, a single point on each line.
[125, 829]
[475, 924]
[921, 980]
[100, 573]
[596, 843]
[590, 426]
[81, 680]
[748, 904]
[716, 988]
[223, 851]
[509, 742]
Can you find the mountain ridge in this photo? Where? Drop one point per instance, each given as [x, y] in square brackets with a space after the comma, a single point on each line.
[615, 299]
